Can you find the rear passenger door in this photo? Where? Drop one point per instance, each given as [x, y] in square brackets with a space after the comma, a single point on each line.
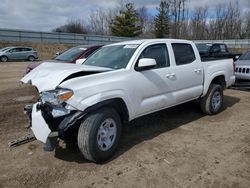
[187, 81]
[25, 53]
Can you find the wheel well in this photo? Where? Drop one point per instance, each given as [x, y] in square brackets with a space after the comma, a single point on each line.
[117, 103]
[220, 80]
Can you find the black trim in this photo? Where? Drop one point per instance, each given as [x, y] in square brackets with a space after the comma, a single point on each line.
[79, 74]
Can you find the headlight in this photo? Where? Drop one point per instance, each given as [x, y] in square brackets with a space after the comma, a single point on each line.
[56, 97]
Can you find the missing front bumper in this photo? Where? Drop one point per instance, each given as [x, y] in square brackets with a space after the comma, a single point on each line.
[46, 127]
[39, 127]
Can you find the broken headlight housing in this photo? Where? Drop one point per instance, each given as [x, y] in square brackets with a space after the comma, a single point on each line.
[56, 97]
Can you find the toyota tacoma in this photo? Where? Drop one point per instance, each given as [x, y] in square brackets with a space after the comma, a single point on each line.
[120, 82]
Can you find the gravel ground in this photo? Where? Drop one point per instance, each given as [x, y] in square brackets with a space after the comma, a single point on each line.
[177, 147]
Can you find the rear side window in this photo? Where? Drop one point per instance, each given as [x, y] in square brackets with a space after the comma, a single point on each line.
[183, 53]
[26, 49]
[223, 48]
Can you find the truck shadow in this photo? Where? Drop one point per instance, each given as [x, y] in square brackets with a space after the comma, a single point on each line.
[147, 128]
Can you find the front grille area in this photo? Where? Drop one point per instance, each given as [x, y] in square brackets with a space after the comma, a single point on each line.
[242, 70]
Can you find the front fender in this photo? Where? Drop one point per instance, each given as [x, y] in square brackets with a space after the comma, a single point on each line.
[83, 104]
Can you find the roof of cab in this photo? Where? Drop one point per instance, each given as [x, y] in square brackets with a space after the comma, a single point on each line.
[141, 41]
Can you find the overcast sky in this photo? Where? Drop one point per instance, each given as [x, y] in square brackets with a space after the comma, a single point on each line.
[45, 15]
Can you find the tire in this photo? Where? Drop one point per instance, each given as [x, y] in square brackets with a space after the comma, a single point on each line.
[4, 58]
[212, 102]
[91, 135]
[31, 58]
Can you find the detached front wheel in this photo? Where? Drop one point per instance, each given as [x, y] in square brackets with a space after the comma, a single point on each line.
[212, 102]
[99, 134]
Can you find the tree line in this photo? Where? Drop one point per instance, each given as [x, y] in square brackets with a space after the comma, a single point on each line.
[173, 19]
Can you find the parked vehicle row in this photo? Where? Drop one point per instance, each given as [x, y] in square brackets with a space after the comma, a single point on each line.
[18, 53]
[118, 83]
[68, 56]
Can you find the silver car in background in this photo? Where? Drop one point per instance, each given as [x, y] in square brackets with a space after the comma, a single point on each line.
[242, 69]
[18, 53]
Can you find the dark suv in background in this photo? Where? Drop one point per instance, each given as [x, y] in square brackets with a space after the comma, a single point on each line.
[68, 56]
[18, 53]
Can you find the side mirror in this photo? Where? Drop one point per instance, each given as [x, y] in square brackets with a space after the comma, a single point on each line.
[237, 57]
[146, 63]
[80, 61]
[57, 54]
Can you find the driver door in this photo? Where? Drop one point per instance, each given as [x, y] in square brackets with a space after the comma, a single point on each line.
[152, 88]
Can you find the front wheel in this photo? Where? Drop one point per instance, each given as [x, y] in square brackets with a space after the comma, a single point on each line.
[99, 134]
[4, 59]
[212, 102]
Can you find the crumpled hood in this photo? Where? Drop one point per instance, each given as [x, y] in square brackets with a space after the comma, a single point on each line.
[49, 75]
[36, 64]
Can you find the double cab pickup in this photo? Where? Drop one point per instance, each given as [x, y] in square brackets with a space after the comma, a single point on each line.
[120, 82]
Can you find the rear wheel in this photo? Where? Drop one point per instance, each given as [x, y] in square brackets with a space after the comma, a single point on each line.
[31, 58]
[212, 102]
[99, 134]
[4, 59]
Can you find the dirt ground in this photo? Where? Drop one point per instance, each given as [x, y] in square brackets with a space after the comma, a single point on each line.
[177, 147]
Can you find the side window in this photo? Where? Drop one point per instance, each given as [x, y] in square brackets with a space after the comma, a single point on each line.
[14, 50]
[18, 49]
[216, 48]
[25, 49]
[183, 53]
[158, 52]
[223, 48]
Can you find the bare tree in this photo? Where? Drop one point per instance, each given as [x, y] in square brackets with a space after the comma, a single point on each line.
[99, 22]
[233, 21]
[198, 24]
[178, 15]
[227, 23]
[246, 26]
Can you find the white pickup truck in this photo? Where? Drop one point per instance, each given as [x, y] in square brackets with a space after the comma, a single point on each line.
[118, 83]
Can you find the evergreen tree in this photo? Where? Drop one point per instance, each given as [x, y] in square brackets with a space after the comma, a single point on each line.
[161, 21]
[127, 24]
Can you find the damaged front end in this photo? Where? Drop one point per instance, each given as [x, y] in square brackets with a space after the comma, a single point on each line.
[52, 118]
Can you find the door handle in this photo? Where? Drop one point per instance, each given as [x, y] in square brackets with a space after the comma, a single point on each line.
[197, 70]
[170, 75]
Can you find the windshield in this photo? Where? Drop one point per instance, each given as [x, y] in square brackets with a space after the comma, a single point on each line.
[5, 49]
[115, 57]
[202, 47]
[245, 56]
[70, 54]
